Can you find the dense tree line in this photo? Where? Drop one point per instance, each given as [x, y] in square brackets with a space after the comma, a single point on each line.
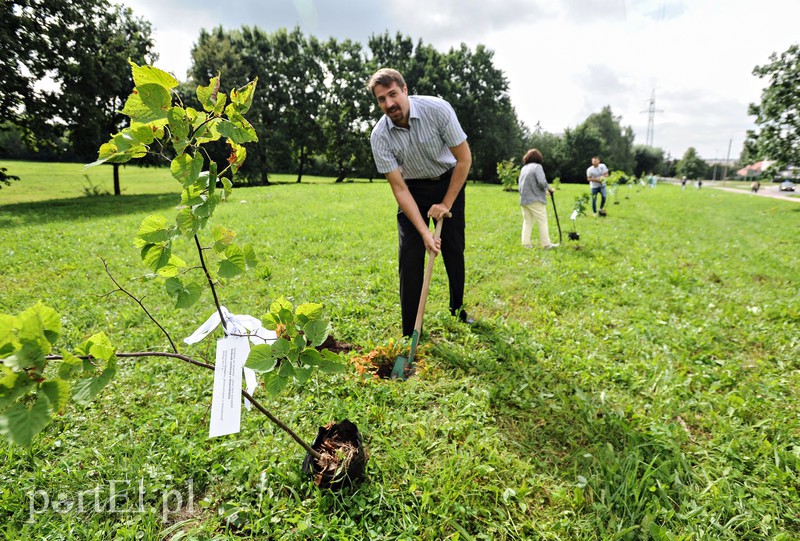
[312, 110]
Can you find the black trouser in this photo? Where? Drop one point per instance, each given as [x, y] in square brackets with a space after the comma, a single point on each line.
[427, 193]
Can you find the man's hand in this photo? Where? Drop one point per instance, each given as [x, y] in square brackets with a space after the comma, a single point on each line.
[438, 211]
[433, 246]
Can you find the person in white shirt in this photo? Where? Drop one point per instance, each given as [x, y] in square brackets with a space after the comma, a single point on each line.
[420, 146]
[596, 175]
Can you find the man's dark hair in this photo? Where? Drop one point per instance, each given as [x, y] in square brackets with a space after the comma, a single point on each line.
[385, 77]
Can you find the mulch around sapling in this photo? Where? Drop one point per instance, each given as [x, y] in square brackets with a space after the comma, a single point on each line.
[379, 362]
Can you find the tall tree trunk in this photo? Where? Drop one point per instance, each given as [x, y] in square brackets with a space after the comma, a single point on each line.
[341, 176]
[117, 191]
[302, 164]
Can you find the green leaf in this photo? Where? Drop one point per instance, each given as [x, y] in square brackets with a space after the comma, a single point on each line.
[261, 359]
[148, 103]
[44, 319]
[70, 366]
[154, 230]
[188, 223]
[98, 346]
[274, 382]
[143, 134]
[19, 424]
[281, 348]
[207, 95]
[239, 131]
[331, 363]
[310, 357]
[185, 294]
[192, 196]
[317, 331]
[57, 392]
[227, 186]
[242, 98]
[234, 263]
[223, 237]
[301, 374]
[219, 106]
[158, 258]
[310, 311]
[250, 256]
[29, 356]
[299, 342]
[12, 385]
[283, 311]
[206, 208]
[269, 321]
[186, 169]
[143, 75]
[211, 180]
[205, 132]
[85, 390]
[178, 125]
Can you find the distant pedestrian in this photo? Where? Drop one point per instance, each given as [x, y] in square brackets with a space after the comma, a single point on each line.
[533, 190]
[596, 175]
[755, 186]
[699, 183]
[683, 182]
[652, 180]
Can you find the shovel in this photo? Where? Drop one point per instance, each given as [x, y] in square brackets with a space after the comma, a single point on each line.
[404, 366]
[553, 199]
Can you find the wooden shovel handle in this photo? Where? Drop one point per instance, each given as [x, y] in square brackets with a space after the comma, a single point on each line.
[426, 283]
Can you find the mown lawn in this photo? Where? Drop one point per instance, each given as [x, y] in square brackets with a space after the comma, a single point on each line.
[641, 383]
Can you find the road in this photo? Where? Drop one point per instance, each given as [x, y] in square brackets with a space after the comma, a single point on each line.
[767, 190]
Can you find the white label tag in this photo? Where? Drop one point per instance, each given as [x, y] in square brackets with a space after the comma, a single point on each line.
[226, 402]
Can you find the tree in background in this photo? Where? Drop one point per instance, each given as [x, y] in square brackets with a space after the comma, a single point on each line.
[95, 81]
[576, 150]
[64, 67]
[36, 41]
[778, 114]
[479, 94]
[345, 110]
[549, 144]
[286, 112]
[691, 165]
[617, 142]
[647, 160]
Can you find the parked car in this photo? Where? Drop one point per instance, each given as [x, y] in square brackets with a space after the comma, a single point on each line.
[787, 186]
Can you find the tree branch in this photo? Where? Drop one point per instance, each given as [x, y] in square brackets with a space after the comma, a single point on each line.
[125, 291]
[210, 283]
[310, 450]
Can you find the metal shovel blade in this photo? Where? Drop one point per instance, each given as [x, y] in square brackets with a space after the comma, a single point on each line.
[404, 366]
[399, 370]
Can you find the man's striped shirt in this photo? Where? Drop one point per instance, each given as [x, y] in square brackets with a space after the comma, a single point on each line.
[422, 150]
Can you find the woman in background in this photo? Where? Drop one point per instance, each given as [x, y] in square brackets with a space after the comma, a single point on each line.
[533, 190]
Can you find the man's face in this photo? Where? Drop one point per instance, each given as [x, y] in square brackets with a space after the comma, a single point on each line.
[393, 101]
[595, 161]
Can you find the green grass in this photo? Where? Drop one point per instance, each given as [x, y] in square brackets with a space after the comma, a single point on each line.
[640, 384]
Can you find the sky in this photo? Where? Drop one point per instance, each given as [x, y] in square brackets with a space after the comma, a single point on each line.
[687, 64]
